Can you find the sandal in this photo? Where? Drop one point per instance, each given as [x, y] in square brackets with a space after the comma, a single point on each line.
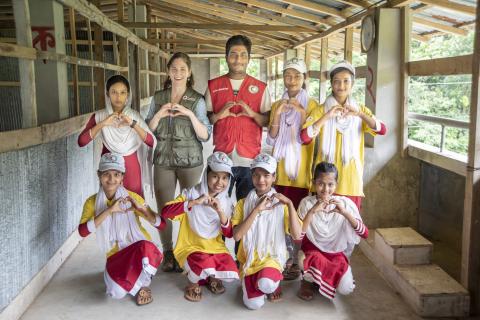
[306, 291]
[276, 296]
[292, 272]
[144, 296]
[215, 285]
[193, 292]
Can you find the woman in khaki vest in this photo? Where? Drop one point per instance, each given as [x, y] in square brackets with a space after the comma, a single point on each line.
[178, 119]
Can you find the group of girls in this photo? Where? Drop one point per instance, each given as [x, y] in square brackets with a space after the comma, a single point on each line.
[317, 148]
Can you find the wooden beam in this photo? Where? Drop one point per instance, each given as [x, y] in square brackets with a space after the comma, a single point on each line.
[440, 66]
[73, 37]
[289, 12]
[211, 14]
[23, 31]
[406, 31]
[440, 26]
[194, 8]
[90, 11]
[53, 56]
[470, 267]
[450, 5]
[319, 8]
[342, 25]
[356, 3]
[421, 38]
[195, 41]
[348, 45]
[16, 51]
[213, 26]
[270, 16]
[25, 138]
[399, 3]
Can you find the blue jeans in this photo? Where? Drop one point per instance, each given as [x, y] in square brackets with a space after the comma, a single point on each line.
[242, 179]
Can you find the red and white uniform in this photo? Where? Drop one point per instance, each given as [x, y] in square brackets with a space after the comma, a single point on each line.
[200, 249]
[327, 244]
[129, 265]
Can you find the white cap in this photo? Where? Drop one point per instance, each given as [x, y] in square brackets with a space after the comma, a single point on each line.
[220, 162]
[111, 161]
[297, 64]
[265, 161]
[342, 64]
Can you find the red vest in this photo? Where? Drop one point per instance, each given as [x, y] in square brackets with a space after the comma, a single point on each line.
[240, 132]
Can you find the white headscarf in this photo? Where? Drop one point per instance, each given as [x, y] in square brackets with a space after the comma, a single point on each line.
[330, 231]
[351, 129]
[118, 228]
[203, 219]
[266, 236]
[125, 140]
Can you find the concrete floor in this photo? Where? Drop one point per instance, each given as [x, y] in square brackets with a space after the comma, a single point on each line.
[77, 291]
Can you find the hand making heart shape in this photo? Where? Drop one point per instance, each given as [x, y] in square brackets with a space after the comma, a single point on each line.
[121, 205]
[226, 110]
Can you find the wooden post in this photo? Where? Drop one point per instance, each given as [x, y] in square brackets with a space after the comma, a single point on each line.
[275, 77]
[151, 57]
[26, 67]
[99, 72]
[73, 37]
[308, 55]
[470, 268]
[90, 50]
[123, 42]
[323, 69]
[348, 47]
[116, 57]
[137, 93]
[406, 29]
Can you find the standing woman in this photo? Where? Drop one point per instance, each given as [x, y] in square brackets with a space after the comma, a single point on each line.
[338, 128]
[286, 121]
[178, 119]
[123, 131]
[294, 159]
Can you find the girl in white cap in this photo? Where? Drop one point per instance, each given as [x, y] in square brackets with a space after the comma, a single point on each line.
[337, 130]
[204, 213]
[261, 220]
[294, 159]
[113, 214]
[332, 226]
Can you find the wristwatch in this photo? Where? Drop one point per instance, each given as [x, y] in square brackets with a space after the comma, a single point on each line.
[134, 122]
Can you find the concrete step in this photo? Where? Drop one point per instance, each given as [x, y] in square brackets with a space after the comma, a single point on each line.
[403, 246]
[429, 290]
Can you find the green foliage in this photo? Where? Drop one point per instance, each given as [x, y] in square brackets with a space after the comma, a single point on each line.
[443, 96]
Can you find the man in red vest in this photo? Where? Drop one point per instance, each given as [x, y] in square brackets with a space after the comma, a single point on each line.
[238, 107]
